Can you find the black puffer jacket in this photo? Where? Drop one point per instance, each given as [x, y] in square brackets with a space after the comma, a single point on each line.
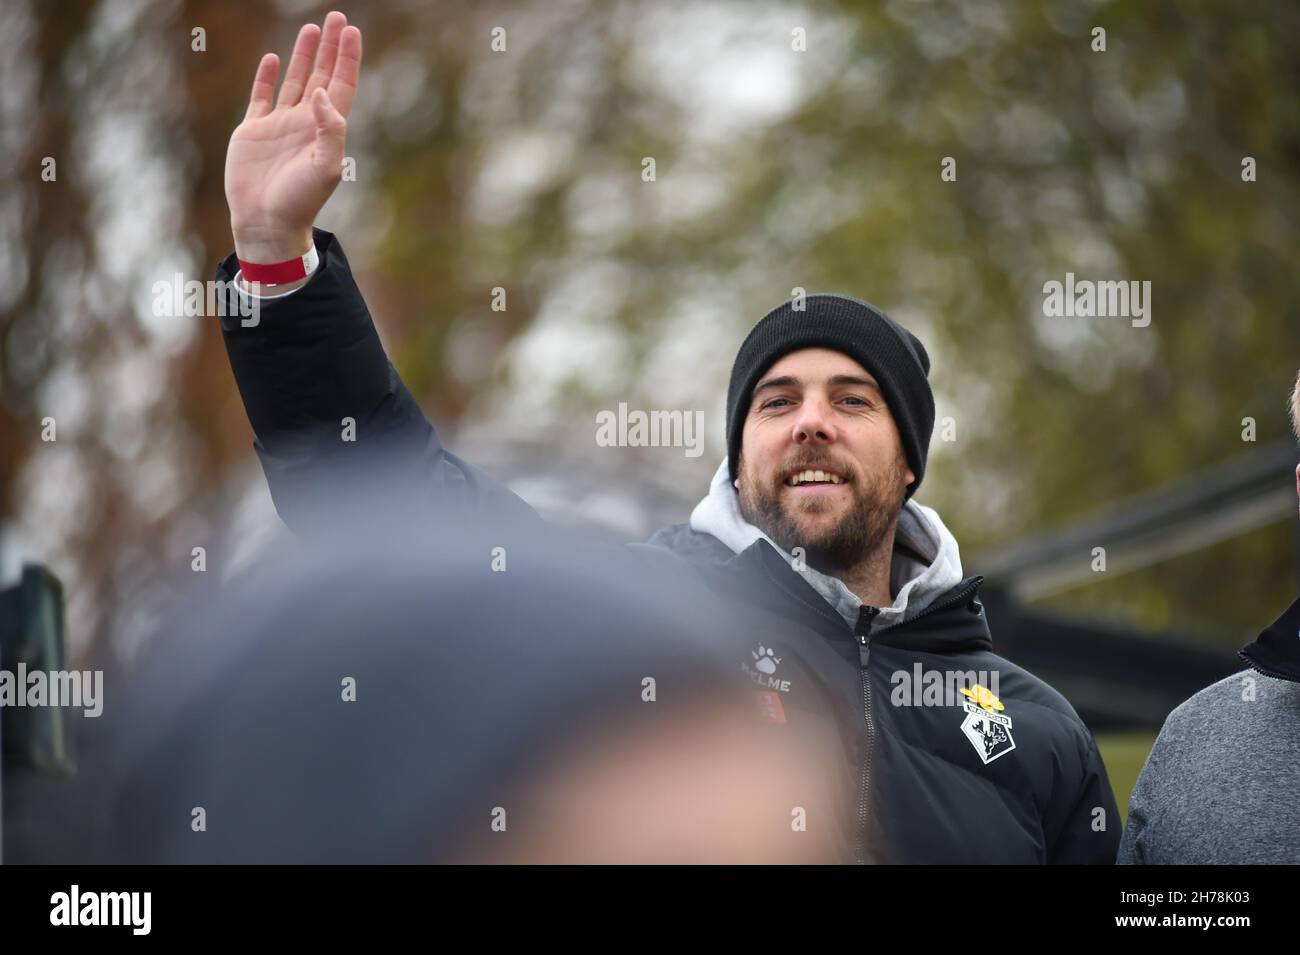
[952, 778]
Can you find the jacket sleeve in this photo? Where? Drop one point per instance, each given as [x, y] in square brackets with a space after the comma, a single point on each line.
[1089, 833]
[335, 429]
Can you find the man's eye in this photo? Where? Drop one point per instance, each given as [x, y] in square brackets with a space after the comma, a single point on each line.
[773, 403]
[856, 400]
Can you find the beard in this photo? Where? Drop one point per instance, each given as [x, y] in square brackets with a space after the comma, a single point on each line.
[831, 545]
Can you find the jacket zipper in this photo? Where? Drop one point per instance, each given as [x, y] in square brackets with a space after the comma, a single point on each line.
[1266, 671]
[962, 595]
[863, 632]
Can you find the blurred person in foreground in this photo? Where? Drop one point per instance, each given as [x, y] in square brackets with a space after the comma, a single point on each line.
[396, 702]
[842, 589]
[1221, 782]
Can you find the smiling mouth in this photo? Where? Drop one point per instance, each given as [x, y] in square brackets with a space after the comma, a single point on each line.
[813, 477]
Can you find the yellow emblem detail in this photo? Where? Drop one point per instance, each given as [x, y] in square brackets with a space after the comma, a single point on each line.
[986, 700]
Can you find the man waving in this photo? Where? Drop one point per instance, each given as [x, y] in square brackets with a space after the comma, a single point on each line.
[846, 591]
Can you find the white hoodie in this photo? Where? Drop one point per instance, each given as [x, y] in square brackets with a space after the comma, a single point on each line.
[915, 585]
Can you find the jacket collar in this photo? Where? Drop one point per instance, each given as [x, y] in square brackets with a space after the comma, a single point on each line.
[952, 622]
[1276, 651]
[926, 561]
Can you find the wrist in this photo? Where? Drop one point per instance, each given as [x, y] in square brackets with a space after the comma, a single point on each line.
[254, 245]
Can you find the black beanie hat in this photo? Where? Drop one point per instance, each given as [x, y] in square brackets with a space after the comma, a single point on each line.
[894, 356]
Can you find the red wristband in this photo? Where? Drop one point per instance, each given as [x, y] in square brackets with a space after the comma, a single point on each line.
[278, 273]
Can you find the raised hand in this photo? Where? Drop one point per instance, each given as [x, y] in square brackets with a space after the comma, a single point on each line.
[285, 160]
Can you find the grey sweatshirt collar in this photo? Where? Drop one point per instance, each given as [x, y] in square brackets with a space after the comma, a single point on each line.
[915, 584]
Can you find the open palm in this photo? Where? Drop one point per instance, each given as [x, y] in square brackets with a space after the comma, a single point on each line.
[285, 159]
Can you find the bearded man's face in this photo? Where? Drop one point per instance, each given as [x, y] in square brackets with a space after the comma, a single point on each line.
[817, 410]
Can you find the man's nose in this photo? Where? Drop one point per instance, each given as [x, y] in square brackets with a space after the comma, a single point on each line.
[813, 425]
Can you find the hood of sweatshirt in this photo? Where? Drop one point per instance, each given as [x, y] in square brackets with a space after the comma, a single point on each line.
[915, 583]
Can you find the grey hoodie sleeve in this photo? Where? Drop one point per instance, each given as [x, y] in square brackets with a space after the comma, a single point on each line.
[1162, 789]
[1147, 798]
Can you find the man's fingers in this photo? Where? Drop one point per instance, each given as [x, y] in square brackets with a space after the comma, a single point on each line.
[259, 101]
[328, 52]
[343, 84]
[295, 77]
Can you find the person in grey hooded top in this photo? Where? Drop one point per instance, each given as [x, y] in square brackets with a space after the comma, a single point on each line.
[850, 612]
[1220, 783]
